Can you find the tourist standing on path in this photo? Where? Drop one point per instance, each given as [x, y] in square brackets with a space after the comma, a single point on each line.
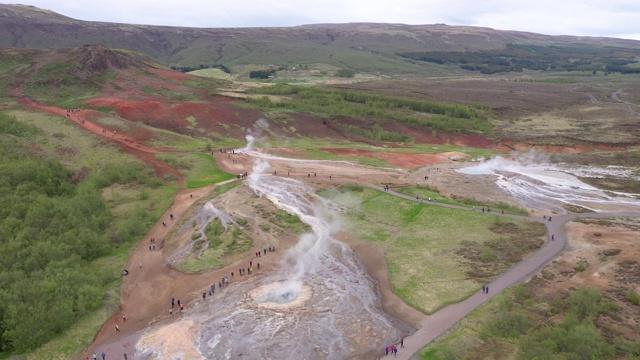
[402, 342]
[386, 350]
[395, 352]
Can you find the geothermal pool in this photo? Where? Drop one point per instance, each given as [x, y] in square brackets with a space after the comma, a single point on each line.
[544, 186]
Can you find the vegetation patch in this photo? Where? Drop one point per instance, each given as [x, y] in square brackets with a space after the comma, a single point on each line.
[428, 193]
[423, 244]
[215, 250]
[555, 57]
[360, 105]
[522, 324]
[58, 84]
[198, 169]
[226, 187]
[55, 213]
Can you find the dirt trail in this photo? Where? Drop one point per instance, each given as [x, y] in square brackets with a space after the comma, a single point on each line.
[629, 106]
[128, 142]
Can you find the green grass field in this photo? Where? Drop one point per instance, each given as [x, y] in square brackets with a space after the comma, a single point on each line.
[222, 243]
[424, 244]
[210, 73]
[426, 192]
[198, 169]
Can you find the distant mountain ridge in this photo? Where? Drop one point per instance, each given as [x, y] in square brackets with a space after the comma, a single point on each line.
[366, 47]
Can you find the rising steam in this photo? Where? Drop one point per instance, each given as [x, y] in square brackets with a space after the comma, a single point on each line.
[538, 184]
[254, 133]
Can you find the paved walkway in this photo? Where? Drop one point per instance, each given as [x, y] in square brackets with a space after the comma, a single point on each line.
[442, 320]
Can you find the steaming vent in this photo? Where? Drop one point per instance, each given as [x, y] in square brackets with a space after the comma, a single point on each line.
[282, 295]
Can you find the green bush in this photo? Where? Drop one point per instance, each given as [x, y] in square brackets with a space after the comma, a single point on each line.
[632, 297]
[572, 339]
[581, 266]
[507, 324]
[345, 73]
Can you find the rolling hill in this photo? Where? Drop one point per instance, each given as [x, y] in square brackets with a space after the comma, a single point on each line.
[364, 47]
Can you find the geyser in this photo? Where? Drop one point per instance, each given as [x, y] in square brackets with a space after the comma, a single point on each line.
[281, 294]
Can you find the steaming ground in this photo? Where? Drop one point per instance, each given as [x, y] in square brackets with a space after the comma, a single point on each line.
[539, 185]
[319, 304]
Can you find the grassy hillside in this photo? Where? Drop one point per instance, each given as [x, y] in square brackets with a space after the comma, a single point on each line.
[364, 47]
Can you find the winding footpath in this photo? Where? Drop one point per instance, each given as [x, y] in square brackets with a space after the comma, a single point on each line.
[442, 320]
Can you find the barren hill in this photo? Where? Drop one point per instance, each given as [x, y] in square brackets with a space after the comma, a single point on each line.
[363, 47]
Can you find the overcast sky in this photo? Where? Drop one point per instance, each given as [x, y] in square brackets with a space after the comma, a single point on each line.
[611, 18]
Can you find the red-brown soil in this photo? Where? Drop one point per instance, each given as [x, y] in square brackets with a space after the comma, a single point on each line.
[215, 116]
[404, 160]
[130, 143]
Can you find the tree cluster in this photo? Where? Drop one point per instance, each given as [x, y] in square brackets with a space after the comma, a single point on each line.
[359, 105]
[517, 57]
[186, 69]
[261, 74]
[51, 231]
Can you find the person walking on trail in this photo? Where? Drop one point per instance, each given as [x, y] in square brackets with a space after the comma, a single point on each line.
[395, 352]
[117, 328]
[553, 237]
[487, 290]
[104, 356]
[95, 356]
[402, 342]
[483, 288]
[124, 317]
[386, 350]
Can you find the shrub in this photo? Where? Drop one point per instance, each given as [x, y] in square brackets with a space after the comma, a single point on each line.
[345, 73]
[581, 266]
[632, 297]
[507, 324]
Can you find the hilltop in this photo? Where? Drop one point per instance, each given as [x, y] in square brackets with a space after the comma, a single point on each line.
[364, 47]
